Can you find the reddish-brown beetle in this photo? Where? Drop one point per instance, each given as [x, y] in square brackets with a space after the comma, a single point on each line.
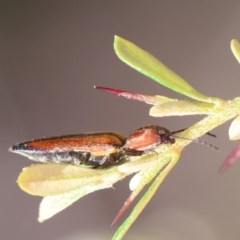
[97, 149]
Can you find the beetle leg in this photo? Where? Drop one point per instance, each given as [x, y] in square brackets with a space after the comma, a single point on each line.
[132, 152]
[79, 157]
[104, 159]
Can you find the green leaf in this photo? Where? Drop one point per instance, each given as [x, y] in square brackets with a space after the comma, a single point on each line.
[181, 108]
[53, 179]
[51, 205]
[148, 65]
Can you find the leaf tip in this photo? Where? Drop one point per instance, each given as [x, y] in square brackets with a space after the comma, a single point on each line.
[116, 39]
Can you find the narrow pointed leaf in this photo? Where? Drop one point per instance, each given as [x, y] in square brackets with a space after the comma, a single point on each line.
[145, 199]
[234, 129]
[181, 108]
[136, 96]
[148, 65]
[235, 47]
[143, 178]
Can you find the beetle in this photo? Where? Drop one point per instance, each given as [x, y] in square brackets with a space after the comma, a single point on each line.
[93, 149]
[98, 149]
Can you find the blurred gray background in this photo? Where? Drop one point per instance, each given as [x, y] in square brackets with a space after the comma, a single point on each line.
[54, 52]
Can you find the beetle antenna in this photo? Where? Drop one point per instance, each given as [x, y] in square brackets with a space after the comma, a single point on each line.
[199, 141]
[181, 130]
